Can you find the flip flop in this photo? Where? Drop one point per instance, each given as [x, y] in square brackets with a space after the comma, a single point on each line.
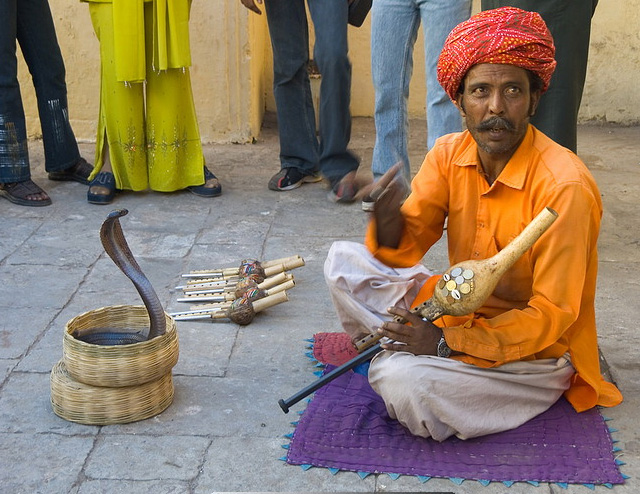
[18, 193]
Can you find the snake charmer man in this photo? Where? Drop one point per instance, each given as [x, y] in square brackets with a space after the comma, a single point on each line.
[534, 339]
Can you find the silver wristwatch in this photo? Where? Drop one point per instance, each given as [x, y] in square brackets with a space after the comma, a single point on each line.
[443, 348]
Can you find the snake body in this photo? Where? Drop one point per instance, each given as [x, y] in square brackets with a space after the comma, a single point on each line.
[116, 247]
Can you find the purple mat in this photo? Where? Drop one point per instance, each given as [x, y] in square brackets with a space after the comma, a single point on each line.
[346, 427]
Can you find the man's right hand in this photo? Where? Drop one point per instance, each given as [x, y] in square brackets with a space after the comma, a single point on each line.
[421, 338]
[251, 5]
[389, 193]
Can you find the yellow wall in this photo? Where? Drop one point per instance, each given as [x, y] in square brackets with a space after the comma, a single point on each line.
[231, 72]
[612, 91]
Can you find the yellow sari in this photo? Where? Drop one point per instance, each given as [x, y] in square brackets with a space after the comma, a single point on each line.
[147, 113]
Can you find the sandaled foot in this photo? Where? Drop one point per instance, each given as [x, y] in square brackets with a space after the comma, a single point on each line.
[76, 173]
[210, 188]
[102, 189]
[25, 193]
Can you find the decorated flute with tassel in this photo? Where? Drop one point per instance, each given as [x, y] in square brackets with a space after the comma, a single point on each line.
[263, 269]
[241, 311]
[233, 285]
[224, 303]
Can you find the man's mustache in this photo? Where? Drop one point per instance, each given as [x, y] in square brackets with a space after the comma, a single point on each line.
[496, 123]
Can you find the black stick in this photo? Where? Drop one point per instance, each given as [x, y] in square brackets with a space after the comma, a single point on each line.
[368, 354]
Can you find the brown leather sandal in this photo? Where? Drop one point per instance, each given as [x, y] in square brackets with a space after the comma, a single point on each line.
[76, 173]
[19, 193]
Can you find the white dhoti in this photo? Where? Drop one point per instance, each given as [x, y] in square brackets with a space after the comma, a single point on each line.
[362, 288]
[432, 396]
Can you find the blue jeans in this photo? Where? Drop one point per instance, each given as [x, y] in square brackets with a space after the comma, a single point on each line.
[394, 30]
[299, 145]
[30, 23]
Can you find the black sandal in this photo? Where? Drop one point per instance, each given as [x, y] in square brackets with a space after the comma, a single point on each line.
[203, 190]
[18, 193]
[76, 173]
[107, 181]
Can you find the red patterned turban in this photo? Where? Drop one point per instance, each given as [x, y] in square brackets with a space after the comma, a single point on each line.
[503, 36]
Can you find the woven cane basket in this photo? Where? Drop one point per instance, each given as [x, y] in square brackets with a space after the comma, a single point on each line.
[115, 366]
[94, 405]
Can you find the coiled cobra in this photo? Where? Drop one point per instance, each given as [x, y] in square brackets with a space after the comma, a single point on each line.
[116, 247]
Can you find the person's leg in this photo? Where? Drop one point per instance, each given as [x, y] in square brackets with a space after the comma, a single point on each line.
[14, 154]
[394, 30]
[174, 151]
[439, 397]
[331, 48]
[439, 17]
[15, 174]
[120, 141]
[291, 88]
[38, 42]
[570, 24]
[361, 287]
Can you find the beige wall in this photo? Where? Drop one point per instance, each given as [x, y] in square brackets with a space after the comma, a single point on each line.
[231, 72]
[612, 91]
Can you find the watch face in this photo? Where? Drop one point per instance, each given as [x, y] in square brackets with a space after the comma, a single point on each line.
[443, 348]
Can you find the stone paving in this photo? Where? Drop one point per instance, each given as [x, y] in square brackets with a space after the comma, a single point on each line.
[224, 430]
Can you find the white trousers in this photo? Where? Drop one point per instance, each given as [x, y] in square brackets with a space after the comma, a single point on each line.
[362, 288]
[431, 396]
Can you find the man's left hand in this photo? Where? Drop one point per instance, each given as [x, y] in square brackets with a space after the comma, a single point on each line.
[421, 338]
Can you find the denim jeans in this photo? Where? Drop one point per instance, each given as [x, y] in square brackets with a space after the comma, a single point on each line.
[300, 147]
[30, 23]
[394, 30]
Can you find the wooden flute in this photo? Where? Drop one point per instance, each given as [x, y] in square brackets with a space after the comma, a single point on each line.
[204, 311]
[242, 313]
[231, 292]
[269, 267]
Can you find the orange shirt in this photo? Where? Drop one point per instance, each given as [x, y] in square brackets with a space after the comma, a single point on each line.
[544, 305]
